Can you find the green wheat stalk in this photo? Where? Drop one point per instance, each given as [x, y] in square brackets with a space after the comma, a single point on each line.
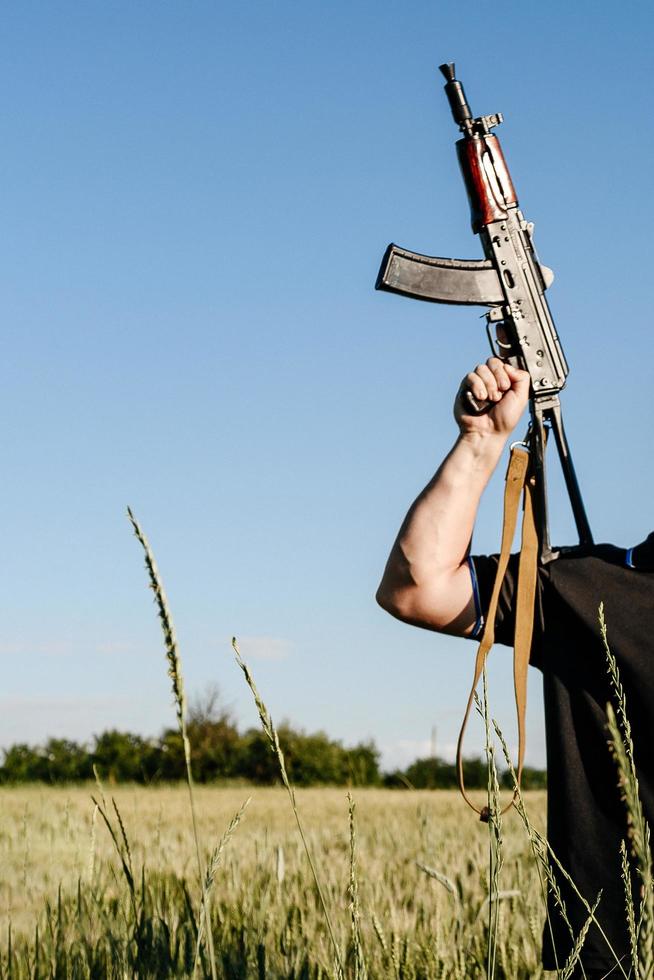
[622, 749]
[212, 867]
[379, 932]
[575, 953]
[124, 855]
[494, 833]
[546, 859]
[639, 836]
[93, 845]
[273, 738]
[629, 908]
[177, 682]
[353, 892]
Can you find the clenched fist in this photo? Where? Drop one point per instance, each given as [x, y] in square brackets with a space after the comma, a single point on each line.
[503, 389]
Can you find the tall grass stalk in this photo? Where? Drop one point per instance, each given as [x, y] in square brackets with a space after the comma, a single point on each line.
[639, 847]
[629, 908]
[92, 849]
[622, 748]
[210, 875]
[123, 853]
[271, 734]
[353, 891]
[494, 812]
[177, 681]
[547, 860]
[575, 953]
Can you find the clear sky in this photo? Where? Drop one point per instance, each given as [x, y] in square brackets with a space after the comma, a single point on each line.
[194, 199]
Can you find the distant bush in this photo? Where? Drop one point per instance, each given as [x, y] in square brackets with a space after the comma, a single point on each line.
[435, 773]
[219, 751]
[531, 779]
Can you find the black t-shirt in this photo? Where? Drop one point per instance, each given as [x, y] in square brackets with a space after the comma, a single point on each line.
[586, 818]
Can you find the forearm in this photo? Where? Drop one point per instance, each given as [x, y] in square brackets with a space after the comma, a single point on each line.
[425, 581]
[436, 532]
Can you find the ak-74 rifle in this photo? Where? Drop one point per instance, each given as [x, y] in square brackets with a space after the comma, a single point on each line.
[511, 282]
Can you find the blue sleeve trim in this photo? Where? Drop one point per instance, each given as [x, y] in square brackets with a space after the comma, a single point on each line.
[628, 558]
[479, 621]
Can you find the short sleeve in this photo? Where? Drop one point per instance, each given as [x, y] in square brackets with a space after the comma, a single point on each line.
[483, 569]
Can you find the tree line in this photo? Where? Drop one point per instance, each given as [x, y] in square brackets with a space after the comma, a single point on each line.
[220, 752]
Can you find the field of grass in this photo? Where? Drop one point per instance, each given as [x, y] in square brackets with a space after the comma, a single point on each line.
[200, 882]
[266, 918]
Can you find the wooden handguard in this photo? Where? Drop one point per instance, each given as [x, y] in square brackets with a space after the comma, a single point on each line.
[487, 179]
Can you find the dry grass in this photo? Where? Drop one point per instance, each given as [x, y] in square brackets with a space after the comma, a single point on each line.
[120, 885]
[46, 839]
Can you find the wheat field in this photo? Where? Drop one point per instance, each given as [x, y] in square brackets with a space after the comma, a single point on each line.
[192, 881]
[66, 906]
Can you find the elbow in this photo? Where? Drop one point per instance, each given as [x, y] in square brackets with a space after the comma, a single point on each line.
[383, 598]
[439, 604]
[397, 590]
[394, 601]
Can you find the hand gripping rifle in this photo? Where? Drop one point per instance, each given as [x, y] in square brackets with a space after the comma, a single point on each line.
[511, 282]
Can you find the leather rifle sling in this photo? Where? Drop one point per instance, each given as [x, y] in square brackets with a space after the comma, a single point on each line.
[524, 618]
[517, 481]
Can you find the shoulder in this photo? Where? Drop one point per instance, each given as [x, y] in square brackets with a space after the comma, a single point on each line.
[639, 557]
[600, 569]
[609, 554]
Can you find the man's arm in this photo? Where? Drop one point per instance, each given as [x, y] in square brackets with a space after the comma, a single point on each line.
[427, 581]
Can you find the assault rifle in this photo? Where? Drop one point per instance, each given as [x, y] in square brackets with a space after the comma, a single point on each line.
[511, 282]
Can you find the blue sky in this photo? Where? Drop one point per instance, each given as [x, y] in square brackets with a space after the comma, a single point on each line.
[194, 199]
